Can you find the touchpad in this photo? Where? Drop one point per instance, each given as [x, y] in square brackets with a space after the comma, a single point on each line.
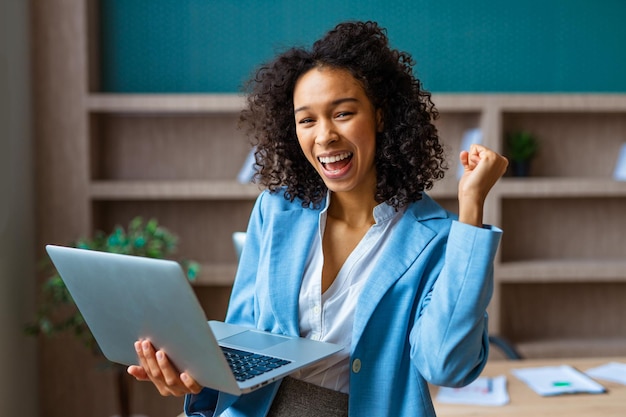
[254, 340]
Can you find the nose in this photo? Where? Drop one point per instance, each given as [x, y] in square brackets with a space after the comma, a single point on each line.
[327, 133]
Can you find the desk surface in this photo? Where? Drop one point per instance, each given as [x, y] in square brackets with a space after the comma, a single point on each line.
[526, 403]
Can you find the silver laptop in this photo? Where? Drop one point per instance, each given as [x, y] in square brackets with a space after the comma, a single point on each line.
[126, 298]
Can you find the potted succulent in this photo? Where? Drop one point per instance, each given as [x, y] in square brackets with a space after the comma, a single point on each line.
[57, 312]
[522, 147]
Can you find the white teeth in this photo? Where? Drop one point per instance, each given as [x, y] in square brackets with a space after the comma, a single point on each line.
[334, 158]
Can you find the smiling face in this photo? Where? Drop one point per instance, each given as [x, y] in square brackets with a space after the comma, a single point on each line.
[336, 125]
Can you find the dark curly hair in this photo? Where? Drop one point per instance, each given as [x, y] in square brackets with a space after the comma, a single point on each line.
[409, 156]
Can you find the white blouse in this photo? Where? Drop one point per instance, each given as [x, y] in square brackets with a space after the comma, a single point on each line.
[329, 316]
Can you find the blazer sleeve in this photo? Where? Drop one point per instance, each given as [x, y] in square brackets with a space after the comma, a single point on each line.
[449, 340]
[242, 304]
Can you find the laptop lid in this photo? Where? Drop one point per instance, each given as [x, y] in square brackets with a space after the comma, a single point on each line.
[126, 298]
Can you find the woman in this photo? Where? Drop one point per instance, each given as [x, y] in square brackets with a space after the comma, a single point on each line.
[345, 246]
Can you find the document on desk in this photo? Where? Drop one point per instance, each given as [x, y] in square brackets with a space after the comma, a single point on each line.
[612, 371]
[483, 391]
[557, 380]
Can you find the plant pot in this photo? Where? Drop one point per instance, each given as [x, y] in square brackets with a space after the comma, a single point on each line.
[520, 168]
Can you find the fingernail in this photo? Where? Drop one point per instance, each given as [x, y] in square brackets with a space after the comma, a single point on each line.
[159, 355]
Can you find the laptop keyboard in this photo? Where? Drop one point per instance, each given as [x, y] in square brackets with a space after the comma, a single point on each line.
[246, 365]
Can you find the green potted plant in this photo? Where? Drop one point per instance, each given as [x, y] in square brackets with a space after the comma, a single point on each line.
[57, 312]
[522, 147]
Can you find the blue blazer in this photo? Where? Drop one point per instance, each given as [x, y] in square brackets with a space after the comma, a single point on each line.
[421, 316]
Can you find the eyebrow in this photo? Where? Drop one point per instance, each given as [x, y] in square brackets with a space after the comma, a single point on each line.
[334, 103]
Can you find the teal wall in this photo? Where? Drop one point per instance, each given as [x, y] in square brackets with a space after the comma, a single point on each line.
[459, 45]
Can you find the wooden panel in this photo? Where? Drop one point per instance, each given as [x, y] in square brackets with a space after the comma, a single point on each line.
[59, 83]
[535, 312]
[68, 384]
[564, 228]
[173, 190]
[79, 382]
[450, 204]
[204, 228]
[166, 147]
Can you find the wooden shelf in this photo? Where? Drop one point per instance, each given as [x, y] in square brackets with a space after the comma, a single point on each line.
[570, 103]
[164, 103]
[542, 102]
[229, 103]
[462, 103]
[537, 187]
[446, 102]
[558, 348]
[199, 190]
[562, 271]
[172, 190]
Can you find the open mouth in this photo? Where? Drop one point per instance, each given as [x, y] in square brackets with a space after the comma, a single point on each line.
[335, 162]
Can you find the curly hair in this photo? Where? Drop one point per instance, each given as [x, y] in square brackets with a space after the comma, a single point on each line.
[409, 156]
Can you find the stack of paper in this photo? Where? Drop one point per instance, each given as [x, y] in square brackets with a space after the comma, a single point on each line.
[612, 371]
[483, 391]
[557, 380]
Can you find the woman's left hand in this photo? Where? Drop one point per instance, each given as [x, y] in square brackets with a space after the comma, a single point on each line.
[482, 169]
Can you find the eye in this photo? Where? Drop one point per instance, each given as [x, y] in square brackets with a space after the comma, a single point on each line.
[305, 120]
[343, 114]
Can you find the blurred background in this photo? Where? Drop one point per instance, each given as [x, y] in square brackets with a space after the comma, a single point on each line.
[113, 109]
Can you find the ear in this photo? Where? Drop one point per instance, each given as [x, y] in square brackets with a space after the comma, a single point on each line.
[380, 123]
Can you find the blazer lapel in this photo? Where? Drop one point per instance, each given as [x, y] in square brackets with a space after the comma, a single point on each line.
[293, 232]
[289, 250]
[409, 240]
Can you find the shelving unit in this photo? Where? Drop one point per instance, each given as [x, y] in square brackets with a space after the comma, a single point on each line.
[562, 270]
[105, 158]
[549, 219]
[174, 158]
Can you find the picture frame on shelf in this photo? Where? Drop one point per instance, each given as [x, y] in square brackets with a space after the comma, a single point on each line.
[619, 174]
[248, 169]
[470, 136]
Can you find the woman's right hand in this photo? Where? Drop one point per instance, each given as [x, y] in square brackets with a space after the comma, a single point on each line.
[154, 366]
